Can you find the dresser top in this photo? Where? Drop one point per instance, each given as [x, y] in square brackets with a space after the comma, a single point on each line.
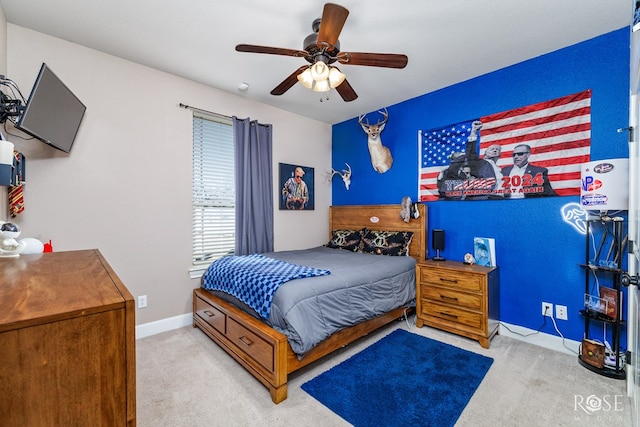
[52, 286]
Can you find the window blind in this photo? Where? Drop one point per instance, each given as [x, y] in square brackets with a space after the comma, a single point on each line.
[213, 189]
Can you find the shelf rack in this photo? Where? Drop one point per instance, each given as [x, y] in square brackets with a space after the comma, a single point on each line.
[611, 274]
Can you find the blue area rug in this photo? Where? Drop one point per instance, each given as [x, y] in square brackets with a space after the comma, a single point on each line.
[403, 379]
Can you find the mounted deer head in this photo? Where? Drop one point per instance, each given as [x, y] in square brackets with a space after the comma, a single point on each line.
[345, 175]
[381, 158]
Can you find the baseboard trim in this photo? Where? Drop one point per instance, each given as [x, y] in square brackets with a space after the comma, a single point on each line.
[539, 338]
[516, 332]
[163, 325]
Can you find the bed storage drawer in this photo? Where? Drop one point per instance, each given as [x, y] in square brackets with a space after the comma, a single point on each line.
[259, 348]
[211, 315]
[251, 344]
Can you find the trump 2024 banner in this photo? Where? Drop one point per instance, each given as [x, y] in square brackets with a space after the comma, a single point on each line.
[532, 151]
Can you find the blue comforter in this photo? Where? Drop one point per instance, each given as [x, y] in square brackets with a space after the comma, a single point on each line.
[255, 278]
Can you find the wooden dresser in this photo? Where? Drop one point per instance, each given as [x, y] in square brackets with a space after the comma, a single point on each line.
[458, 298]
[67, 342]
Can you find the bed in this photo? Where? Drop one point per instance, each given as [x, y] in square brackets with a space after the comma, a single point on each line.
[267, 348]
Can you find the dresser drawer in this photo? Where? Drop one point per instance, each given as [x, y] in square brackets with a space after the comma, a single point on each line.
[452, 297]
[254, 346]
[452, 314]
[211, 315]
[453, 279]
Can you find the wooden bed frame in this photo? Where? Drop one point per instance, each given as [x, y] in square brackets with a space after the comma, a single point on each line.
[265, 352]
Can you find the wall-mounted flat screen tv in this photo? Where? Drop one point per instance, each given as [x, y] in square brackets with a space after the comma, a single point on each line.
[53, 113]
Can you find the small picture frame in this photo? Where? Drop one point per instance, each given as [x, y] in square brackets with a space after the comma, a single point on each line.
[296, 187]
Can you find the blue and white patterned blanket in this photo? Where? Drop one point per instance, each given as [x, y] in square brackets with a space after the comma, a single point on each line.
[254, 279]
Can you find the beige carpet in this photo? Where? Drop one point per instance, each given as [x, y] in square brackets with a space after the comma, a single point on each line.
[184, 379]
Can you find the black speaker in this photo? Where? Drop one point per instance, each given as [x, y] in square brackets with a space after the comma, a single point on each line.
[437, 243]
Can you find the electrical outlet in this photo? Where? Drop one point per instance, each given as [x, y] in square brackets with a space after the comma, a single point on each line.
[561, 312]
[142, 301]
[547, 309]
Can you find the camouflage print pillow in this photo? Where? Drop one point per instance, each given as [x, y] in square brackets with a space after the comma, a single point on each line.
[346, 239]
[393, 243]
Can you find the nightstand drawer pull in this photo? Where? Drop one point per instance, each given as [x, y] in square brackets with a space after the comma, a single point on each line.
[453, 316]
[444, 279]
[448, 298]
[209, 313]
[246, 341]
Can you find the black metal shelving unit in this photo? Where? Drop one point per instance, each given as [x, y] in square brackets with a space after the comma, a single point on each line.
[610, 273]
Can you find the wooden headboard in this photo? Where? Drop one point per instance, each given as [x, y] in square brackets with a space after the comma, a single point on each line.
[355, 217]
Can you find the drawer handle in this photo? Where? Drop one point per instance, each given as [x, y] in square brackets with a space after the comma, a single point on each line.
[209, 313]
[246, 341]
[444, 279]
[445, 297]
[449, 315]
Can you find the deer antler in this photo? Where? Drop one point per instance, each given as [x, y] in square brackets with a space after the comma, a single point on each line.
[330, 174]
[345, 175]
[385, 117]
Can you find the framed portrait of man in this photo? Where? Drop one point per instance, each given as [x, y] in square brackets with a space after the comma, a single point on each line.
[296, 187]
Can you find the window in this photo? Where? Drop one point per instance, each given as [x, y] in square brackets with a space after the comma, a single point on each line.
[213, 190]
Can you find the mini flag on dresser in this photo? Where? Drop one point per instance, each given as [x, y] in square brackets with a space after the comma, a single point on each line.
[16, 200]
[16, 191]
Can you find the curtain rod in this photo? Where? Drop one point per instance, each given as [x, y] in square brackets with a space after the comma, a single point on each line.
[189, 107]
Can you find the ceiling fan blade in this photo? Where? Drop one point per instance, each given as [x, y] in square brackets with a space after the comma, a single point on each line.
[288, 82]
[346, 91]
[271, 50]
[331, 23]
[389, 60]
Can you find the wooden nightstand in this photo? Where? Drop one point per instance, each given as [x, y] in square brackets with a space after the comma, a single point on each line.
[458, 298]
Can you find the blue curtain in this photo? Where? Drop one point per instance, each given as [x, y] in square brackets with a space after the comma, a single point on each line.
[254, 178]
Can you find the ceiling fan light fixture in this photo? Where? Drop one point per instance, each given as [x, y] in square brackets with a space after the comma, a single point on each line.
[336, 77]
[320, 77]
[305, 78]
[322, 86]
[321, 49]
[320, 71]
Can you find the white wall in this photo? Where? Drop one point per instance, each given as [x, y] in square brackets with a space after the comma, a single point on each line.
[126, 186]
[3, 70]
[3, 44]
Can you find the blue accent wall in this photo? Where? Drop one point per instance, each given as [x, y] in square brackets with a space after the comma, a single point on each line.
[537, 252]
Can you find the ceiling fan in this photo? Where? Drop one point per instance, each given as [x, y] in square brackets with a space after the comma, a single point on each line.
[321, 49]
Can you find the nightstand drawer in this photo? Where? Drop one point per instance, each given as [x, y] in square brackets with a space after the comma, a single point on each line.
[452, 297]
[452, 314]
[452, 279]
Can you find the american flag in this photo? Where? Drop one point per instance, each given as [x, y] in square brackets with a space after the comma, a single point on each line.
[558, 131]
